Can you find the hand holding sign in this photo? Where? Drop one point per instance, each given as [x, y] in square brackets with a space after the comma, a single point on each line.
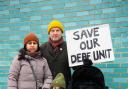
[93, 43]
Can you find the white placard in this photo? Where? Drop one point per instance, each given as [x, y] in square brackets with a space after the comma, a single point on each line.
[93, 43]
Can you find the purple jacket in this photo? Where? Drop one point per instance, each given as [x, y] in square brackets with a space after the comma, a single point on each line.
[21, 76]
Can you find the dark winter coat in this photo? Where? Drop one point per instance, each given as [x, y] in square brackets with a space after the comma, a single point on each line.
[58, 63]
[21, 76]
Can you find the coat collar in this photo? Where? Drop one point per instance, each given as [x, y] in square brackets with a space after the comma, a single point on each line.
[61, 49]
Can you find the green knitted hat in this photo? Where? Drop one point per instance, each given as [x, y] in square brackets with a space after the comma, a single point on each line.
[59, 81]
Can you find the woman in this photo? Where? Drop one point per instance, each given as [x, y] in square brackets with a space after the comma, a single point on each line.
[22, 75]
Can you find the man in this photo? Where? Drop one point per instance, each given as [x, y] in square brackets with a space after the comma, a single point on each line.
[55, 51]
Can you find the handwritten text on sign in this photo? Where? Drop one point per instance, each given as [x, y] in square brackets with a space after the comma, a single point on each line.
[93, 43]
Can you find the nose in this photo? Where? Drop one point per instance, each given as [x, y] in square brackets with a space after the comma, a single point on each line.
[55, 32]
[32, 44]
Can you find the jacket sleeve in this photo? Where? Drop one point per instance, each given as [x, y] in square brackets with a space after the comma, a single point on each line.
[47, 76]
[14, 74]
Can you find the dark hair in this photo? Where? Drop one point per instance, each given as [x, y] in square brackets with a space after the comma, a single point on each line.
[38, 48]
[22, 53]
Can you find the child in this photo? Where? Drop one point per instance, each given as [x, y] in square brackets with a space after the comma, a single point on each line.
[29, 70]
[59, 82]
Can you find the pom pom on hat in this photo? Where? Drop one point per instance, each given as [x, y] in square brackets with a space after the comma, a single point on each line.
[59, 81]
[31, 37]
[55, 23]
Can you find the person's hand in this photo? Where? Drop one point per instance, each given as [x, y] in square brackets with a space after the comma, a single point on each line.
[87, 62]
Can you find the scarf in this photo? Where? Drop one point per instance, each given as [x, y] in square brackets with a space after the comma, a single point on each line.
[56, 45]
[34, 55]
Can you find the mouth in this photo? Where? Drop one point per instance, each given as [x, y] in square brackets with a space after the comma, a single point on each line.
[32, 48]
[55, 35]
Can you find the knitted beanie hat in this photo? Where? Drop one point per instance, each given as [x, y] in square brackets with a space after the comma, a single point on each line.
[59, 81]
[55, 23]
[31, 37]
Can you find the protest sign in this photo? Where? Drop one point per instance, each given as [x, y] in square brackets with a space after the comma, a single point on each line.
[93, 43]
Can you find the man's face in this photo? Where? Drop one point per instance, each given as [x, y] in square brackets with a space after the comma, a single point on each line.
[55, 34]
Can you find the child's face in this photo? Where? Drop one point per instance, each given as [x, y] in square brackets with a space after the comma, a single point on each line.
[56, 88]
[32, 46]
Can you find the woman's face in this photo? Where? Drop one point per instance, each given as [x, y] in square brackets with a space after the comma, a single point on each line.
[32, 46]
[55, 34]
